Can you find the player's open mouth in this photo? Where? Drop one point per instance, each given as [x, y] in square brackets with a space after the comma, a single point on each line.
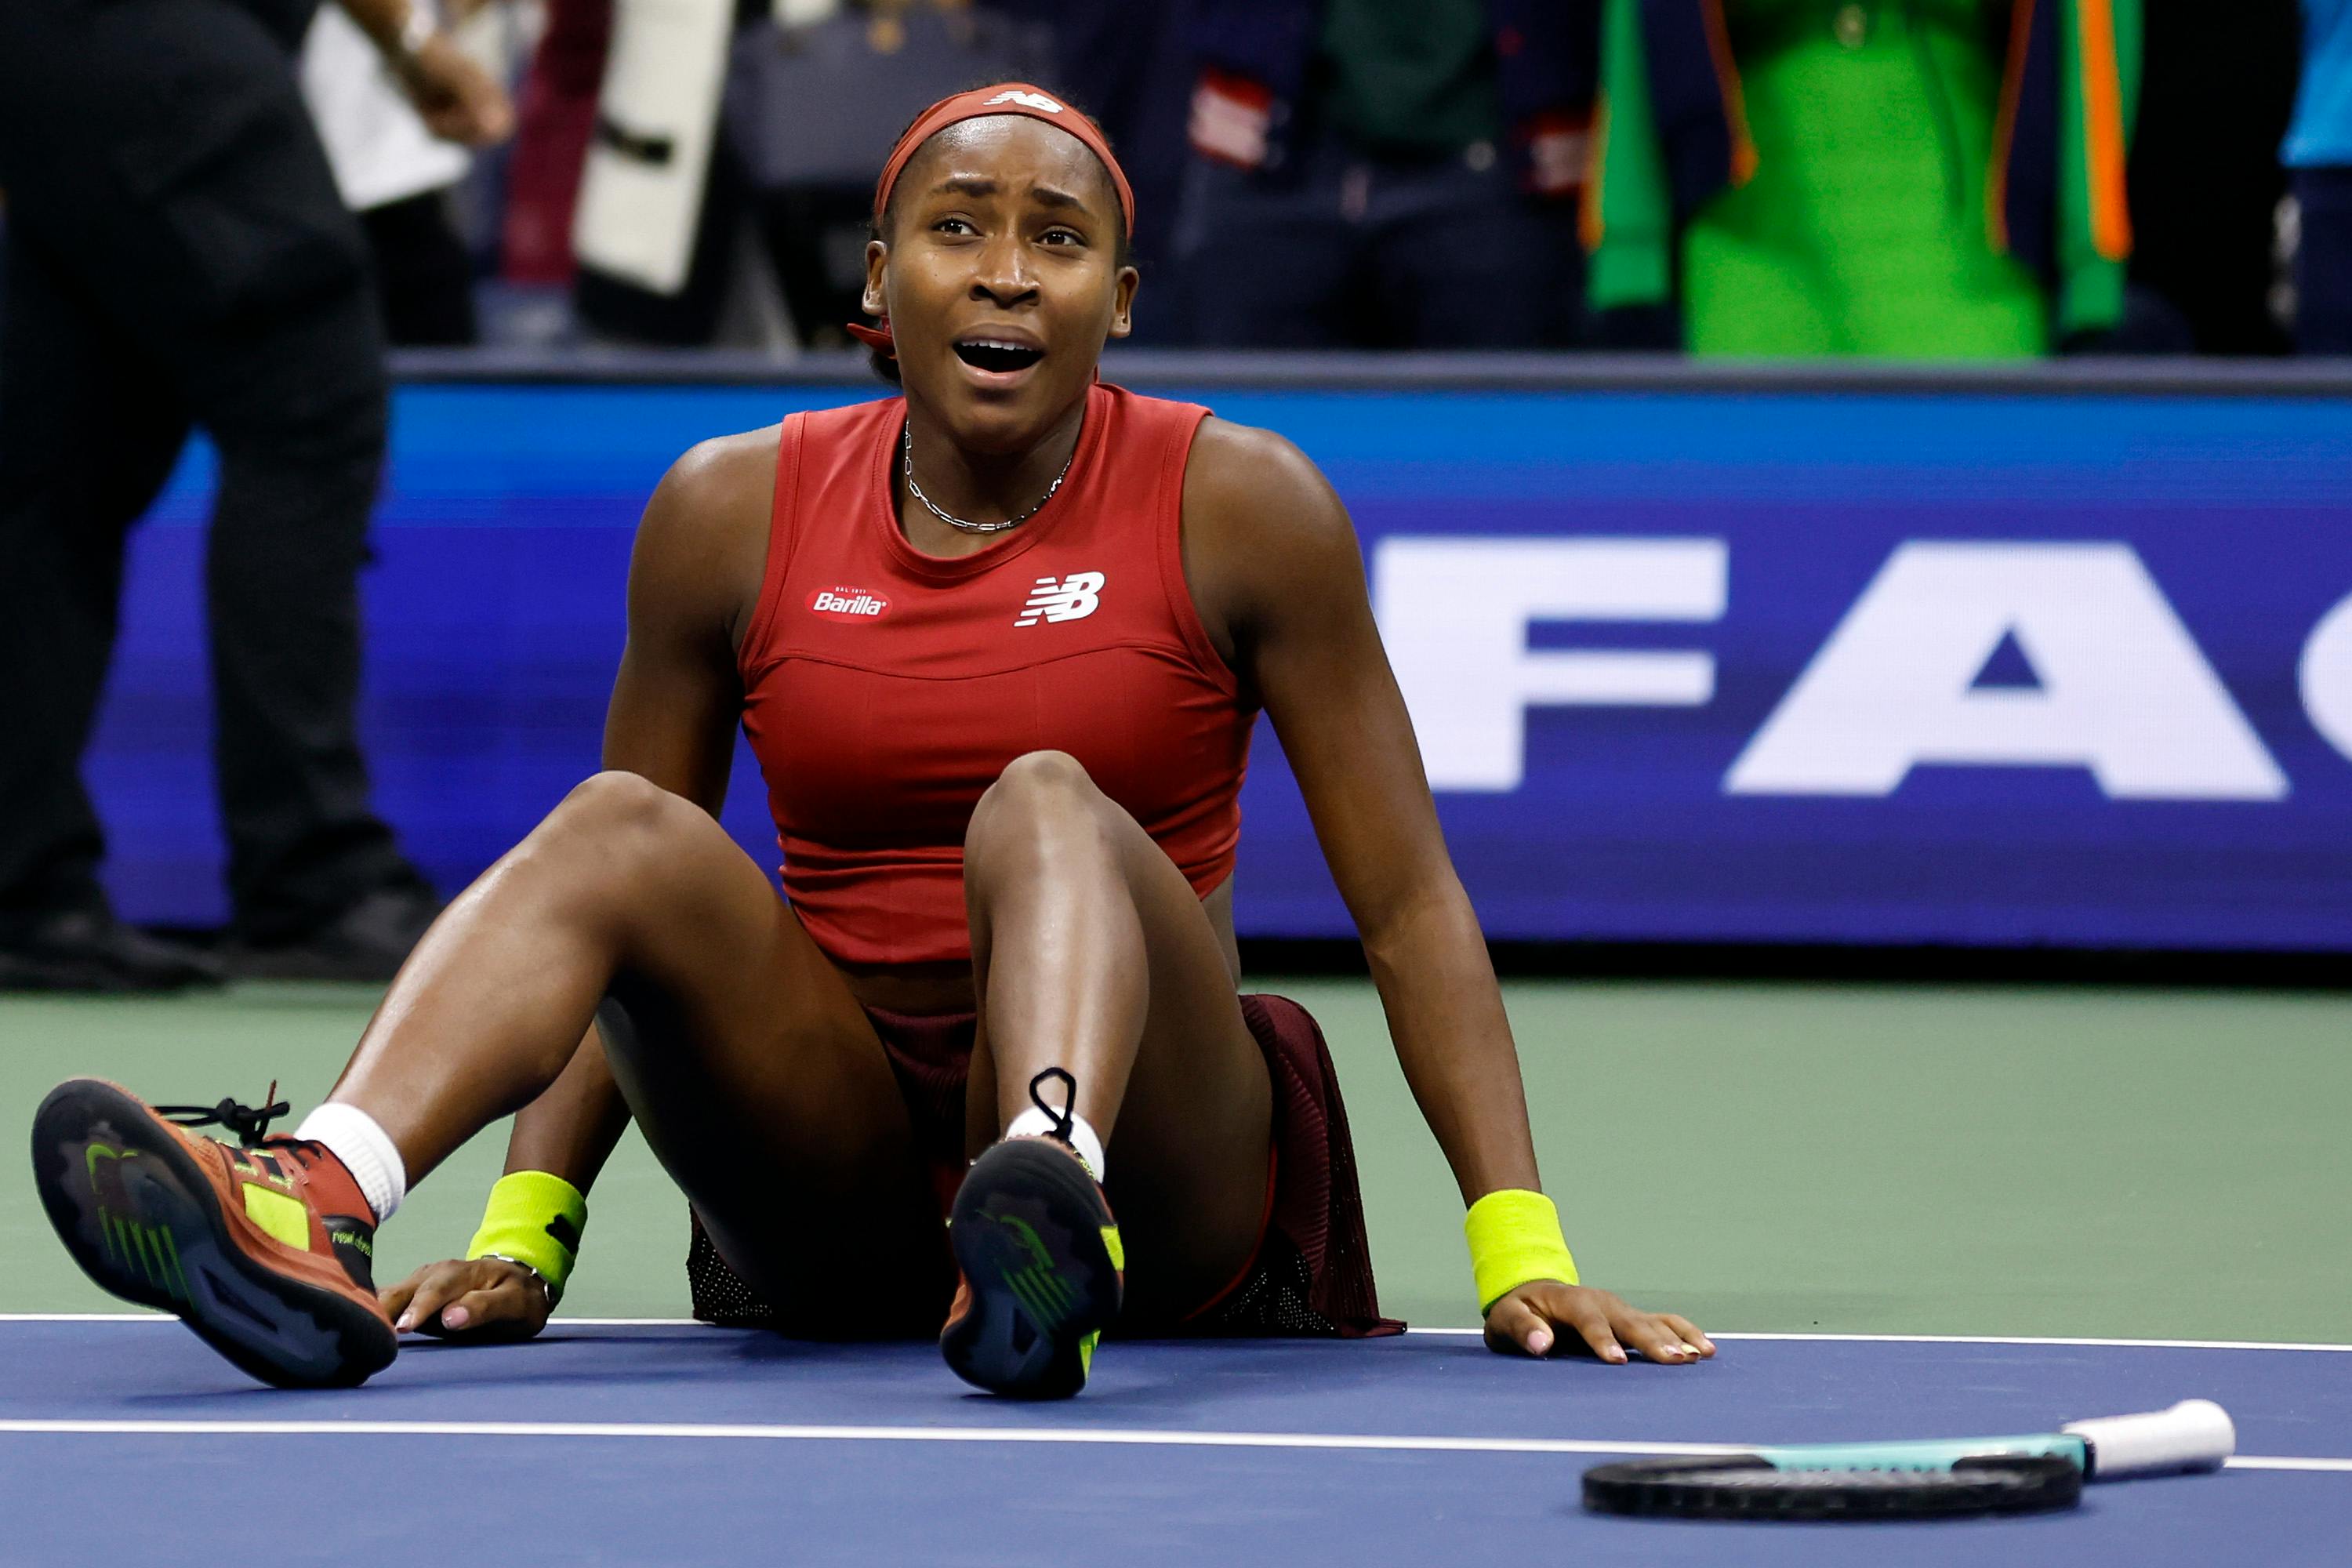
[998, 356]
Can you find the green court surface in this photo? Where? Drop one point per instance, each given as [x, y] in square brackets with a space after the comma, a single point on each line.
[1843, 1158]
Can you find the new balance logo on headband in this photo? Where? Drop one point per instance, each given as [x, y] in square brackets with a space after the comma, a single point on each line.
[1036, 100]
[1070, 598]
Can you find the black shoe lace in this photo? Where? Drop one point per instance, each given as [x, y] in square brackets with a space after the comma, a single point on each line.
[1068, 1114]
[248, 1123]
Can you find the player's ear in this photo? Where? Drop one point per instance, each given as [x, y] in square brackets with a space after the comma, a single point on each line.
[1122, 301]
[877, 256]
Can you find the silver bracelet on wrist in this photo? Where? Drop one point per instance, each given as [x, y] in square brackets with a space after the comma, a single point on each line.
[546, 1287]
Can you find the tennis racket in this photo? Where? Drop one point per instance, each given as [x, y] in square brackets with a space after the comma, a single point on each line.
[1935, 1480]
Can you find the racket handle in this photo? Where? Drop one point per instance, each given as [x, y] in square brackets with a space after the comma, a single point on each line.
[2194, 1435]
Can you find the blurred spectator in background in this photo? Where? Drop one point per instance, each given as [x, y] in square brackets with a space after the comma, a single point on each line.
[555, 116]
[2205, 177]
[655, 233]
[815, 101]
[734, 150]
[1129, 64]
[397, 176]
[1935, 178]
[178, 254]
[2319, 153]
[1385, 174]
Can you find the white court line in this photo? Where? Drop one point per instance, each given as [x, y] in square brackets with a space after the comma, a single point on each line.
[168, 1317]
[1114, 1435]
[2268, 1462]
[1997, 1339]
[2050, 1339]
[1826, 1339]
[1107, 1436]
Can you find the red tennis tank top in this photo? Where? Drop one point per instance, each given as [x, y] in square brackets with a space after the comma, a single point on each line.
[884, 690]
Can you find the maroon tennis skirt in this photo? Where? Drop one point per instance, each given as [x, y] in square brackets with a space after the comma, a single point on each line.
[1312, 1272]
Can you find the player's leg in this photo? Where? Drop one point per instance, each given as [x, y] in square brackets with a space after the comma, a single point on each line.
[1093, 956]
[760, 1086]
[753, 1072]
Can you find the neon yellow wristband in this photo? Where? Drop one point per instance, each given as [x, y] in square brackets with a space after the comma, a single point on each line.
[534, 1219]
[1515, 1237]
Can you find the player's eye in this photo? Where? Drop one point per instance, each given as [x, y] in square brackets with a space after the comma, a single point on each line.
[1062, 237]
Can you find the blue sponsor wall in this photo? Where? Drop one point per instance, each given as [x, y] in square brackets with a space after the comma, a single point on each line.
[2073, 669]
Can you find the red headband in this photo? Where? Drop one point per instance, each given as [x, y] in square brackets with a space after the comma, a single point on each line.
[1004, 97]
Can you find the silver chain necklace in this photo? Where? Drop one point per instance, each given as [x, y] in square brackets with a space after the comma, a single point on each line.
[954, 521]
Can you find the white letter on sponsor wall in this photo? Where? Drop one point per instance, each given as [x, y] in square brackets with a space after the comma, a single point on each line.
[2326, 677]
[1455, 614]
[2124, 690]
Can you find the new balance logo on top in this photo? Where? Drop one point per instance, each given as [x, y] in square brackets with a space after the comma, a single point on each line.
[847, 604]
[1037, 101]
[1070, 598]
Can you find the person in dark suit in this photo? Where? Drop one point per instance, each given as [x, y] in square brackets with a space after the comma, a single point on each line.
[177, 256]
[1386, 173]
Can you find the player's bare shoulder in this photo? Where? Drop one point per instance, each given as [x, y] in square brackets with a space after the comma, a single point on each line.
[718, 486]
[702, 545]
[1263, 527]
[1242, 476]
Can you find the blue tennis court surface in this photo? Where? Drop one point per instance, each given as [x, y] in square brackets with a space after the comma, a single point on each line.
[668, 1443]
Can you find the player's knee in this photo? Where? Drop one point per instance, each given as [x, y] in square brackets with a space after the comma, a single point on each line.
[627, 822]
[1036, 790]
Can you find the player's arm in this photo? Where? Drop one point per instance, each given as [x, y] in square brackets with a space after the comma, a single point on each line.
[694, 577]
[1274, 563]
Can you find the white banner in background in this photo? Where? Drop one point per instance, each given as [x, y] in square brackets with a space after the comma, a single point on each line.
[641, 196]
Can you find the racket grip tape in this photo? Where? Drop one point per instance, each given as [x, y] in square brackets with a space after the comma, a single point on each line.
[2194, 1435]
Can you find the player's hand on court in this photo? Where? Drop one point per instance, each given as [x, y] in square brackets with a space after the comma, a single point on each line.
[484, 1299]
[1545, 1315]
[457, 99]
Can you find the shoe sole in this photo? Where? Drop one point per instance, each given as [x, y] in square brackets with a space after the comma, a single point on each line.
[171, 1246]
[1029, 1233]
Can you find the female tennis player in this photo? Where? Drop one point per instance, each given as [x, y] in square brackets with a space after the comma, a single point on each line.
[998, 644]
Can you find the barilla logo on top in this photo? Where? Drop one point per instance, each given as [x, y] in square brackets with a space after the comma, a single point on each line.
[847, 604]
[1036, 100]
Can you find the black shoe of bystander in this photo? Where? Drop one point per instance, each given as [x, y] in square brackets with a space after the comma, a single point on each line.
[89, 949]
[368, 941]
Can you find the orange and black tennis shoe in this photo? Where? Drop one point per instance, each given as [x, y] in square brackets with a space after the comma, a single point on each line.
[263, 1248]
[1040, 1271]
